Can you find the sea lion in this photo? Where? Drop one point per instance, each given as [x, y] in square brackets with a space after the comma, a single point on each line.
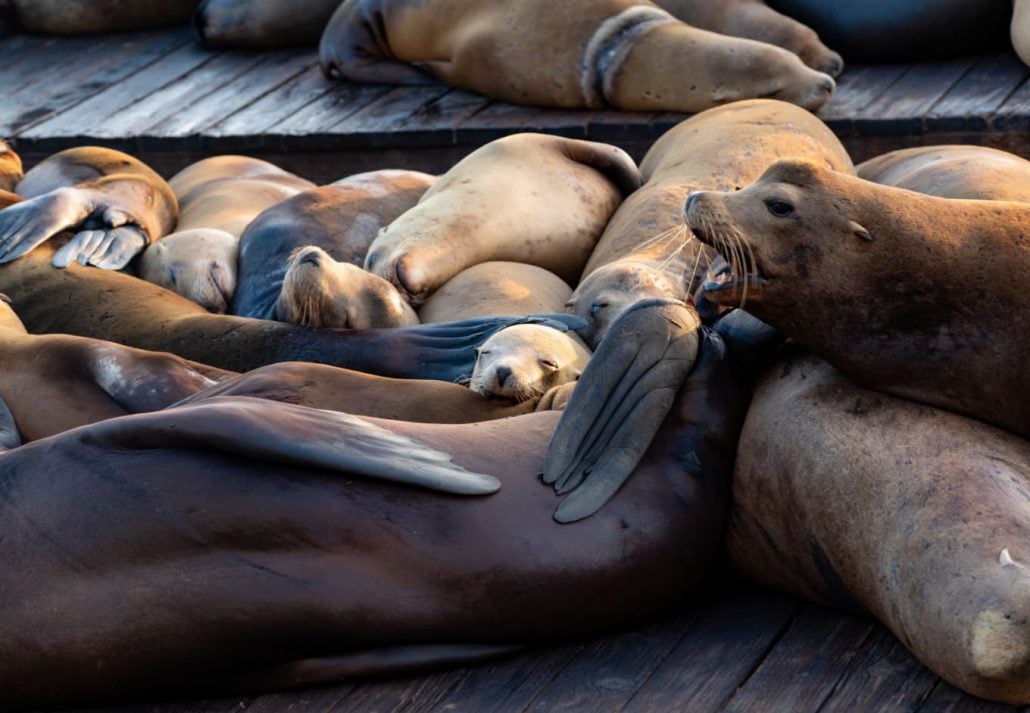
[854, 499]
[910, 31]
[530, 198]
[318, 291]
[957, 171]
[198, 264]
[523, 362]
[80, 17]
[494, 289]
[646, 250]
[10, 167]
[1019, 29]
[312, 571]
[755, 20]
[262, 24]
[904, 293]
[115, 204]
[626, 54]
[342, 220]
[110, 305]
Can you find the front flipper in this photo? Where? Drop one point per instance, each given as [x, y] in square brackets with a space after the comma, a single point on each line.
[143, 381]
[294, 435]
[26, 225]
[9, 436]
[106, 248]
[620, 401]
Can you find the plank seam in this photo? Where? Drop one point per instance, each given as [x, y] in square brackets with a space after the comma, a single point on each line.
[286, 81]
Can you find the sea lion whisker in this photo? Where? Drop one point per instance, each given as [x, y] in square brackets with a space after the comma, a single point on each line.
[693, 271]
[668, 261]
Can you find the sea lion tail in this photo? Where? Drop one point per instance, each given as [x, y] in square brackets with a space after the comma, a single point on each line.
[611, 161]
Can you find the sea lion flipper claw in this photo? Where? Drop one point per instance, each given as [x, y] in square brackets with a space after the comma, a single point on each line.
[10, 438]
[297, 435]
[620, 401]
[108, 249]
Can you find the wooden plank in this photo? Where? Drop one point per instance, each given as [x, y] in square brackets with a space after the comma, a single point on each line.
[52, 60]
[945, 698]
[114, 100]
[609, 671]
[340, 102]
[301, 701]
[858, 88]
[970, 105]
[718, 653]
[613, 126]
[496, 119]
[1014, 114]
[16, 50]
[884, 677]
[98, 70]
[276, 106]
[510, 685]
[272, 70]
[802, 669]
[414, 694]
[396, 119]
[902, 107]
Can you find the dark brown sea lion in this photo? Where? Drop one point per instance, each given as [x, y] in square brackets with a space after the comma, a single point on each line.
[954, 171]
[341, 219]
[116, 307]
[80, 17]
[262, 23]
[904, 293]
[646, 251]
[115, 205]
[627, 54]
[858, 500]
[299, 569]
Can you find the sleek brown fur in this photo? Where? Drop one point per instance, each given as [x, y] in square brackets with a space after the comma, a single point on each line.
[79, 17]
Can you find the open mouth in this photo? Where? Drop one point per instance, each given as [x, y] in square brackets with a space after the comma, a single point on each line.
[724, 281]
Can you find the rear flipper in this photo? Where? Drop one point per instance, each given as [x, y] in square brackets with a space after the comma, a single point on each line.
[295, 435]
[619, 403]
[28, 224]
[143, 381]
[106, 248]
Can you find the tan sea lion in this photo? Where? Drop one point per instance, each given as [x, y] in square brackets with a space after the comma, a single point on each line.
[1019, 30]
[646, 250]
[321, 292]
[198, 264]
[627, 54]
[524, 362]
[115, 205]
[755, 20]
[262, 24]
[80, 17]
[493, 289]
[904, 293]
[10, 168]
[957, 171]
[859, 500]
[110, 305]
[530, 198]
[341, 219]
[312, 570]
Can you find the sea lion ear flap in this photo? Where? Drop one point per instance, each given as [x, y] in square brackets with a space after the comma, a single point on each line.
[9, 436]
[860, 232]
[620, 401]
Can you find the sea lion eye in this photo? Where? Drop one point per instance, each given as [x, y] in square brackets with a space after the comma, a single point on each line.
[597, 307]
[548, 365]
[779, 208]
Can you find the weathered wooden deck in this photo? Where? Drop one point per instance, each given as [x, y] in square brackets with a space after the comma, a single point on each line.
[160, 96]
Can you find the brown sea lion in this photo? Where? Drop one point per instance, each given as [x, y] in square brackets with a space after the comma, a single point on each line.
[10, 168]
[80, 17]
[341, 219]
[956, 171]
[904, 293]
[755, 20]
[530, 198]
[855, 499]
[646, 250]
[262, 24]
[115, 205]
[313, 571]
[492, 289]
[627, 54]
[116, 307]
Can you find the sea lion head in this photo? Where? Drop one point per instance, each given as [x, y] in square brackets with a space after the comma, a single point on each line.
[198, 264]
[318, 291]
[10, 167]
[8, 317]
[607, 292]
[525, 361]
[792, 239]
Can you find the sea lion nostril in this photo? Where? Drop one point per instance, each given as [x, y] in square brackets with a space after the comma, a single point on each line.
[311, 258]
[503, 374]
[691, 199]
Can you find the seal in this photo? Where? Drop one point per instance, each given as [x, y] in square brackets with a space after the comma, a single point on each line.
[113, 203]
[524, 362]
[953, 171]
[858, 500]
[876, 279]
[1019, 29]
[116, 307]
[626, 54]
[531, 198]
[10, 168]
[646, 250]
[496, 289]
[318, 291]
[198, 264]
[81, 17]
[342, 220]
[296, 591]
[755, 20]
[262, 24]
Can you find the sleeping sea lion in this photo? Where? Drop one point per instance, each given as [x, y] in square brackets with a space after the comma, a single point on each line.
[904, 293]
[262, 24]
[626, 54]
[80, 17]
[114, 204]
